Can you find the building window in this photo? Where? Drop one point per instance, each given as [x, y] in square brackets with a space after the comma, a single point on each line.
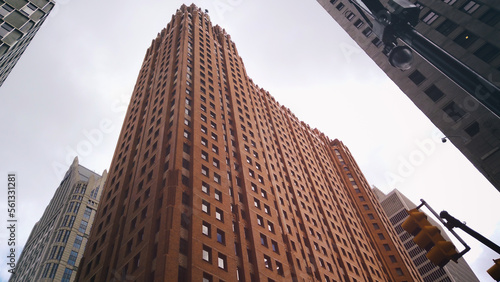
[219, 214]
[416, 77]
[490, 17]
[446, 27]
[222, 261]
[218, 195]
[270, 226]
[387, 247]
[78, 242]
[465, 39]
[207, 254]
[399, 271]
[367, 32]
[83, 226]
[434, 93]
[340, 6]
[470, 7]
[267, 262]
[487, 52]
[430, 17]
[472, 129]
[449, 2]
[377, 42]
[185, 221]
[392, 258]
[375, 226]
[54, 270]
[204, 170]
[274, 245]
[205, 207]
[221, 237]
[72, 258]
[183, 246]
[182, 274]
[67, 275]
[263, 240]
[358, 24]
[381, 236]
[454, 111]
[259, 220]
[205, 188]
[349, 15]
[207, 277]
[205, 228]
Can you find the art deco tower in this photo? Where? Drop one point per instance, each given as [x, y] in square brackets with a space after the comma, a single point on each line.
[213, 180]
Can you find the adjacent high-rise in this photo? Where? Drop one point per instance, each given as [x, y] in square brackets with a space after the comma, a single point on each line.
[469, 31]
[19, 22]
[395, 205]
[214, 180]
[56, 243]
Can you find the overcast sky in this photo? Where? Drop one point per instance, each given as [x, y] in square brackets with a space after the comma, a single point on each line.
[79, 72]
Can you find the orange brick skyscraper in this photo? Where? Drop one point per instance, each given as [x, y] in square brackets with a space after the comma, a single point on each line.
[213, 180]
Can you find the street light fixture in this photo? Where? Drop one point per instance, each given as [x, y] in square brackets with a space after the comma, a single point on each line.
[398, 23]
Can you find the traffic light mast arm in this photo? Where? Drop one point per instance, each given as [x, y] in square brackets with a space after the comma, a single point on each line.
[453, 222]
[467, 248]
[399, 24]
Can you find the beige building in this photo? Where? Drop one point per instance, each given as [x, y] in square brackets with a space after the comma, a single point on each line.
[19, 22]
[468, 30]
[395, 205]
[57, 241]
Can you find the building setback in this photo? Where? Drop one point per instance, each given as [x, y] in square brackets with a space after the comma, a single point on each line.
[19, 22]
[56, 243]
[469, 31]
[213, 180]
[395, 205]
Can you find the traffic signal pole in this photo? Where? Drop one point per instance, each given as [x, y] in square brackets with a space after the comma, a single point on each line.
[452, 222]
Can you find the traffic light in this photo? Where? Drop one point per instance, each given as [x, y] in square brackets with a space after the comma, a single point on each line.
[429, 238]
[494, 271]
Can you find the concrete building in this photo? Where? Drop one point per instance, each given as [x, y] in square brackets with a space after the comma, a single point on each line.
[19, 22]
[214, 180]
[395, 205]
[56, 243]
[468, 30]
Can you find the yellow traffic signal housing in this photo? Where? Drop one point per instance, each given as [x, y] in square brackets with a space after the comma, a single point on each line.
[494, 271]
[429, 238]
[441, 253]
[416, 219]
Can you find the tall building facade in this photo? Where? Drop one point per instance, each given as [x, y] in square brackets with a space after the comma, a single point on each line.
[395, 205]
[469, 31]
[213, 180]
[56, 243]
[19, 22]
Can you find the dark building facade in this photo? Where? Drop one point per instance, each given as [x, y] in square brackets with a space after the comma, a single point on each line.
[469, 31]
[214, 180]
[19, 22]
